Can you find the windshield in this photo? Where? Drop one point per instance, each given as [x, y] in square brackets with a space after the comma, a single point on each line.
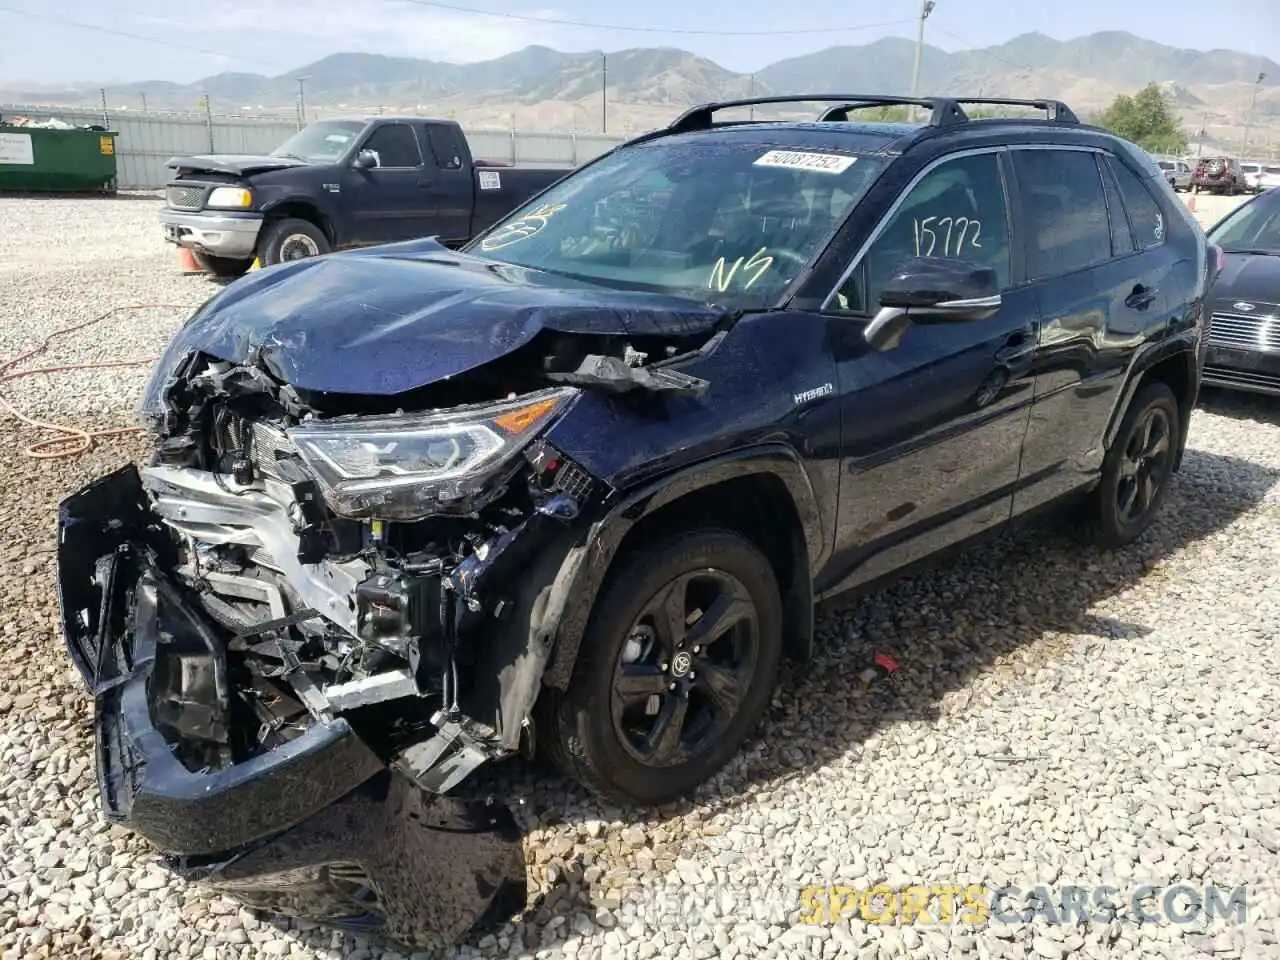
[1166, 165]
[731, 222]
[320, 141]
[1253, 227]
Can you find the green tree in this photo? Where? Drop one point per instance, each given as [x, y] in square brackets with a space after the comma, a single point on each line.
[1145, 118]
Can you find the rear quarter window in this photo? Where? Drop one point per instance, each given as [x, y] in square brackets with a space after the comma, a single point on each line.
[1145, 215]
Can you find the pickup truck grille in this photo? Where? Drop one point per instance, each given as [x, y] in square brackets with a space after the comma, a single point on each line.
[1245, 333]
[185, 198]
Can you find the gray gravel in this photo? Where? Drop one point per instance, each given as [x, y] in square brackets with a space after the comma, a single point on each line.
[1061, 716]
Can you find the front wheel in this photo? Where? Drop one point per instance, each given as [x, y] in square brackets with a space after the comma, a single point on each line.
[291, 239]
[1137, 469]
[678, 662]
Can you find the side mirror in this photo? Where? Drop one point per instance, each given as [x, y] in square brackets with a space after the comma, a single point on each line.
[365, 160]
[931, 290]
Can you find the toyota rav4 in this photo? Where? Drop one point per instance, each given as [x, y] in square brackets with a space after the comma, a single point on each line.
[580, 483]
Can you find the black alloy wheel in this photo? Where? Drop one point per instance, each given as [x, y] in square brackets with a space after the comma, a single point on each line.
[1137, 469]
[1144, 467]
[677, 664]
[682, 673]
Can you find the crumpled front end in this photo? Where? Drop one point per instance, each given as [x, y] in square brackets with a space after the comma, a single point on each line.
[304, 633]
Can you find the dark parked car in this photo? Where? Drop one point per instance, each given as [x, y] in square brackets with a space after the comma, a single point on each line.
[580, 483]
[1219, 175]
[1244, 326]
[337, 184]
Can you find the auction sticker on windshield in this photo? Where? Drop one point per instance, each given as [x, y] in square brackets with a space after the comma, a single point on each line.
[800, 160]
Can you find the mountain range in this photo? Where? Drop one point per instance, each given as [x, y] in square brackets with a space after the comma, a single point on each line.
[646, 85]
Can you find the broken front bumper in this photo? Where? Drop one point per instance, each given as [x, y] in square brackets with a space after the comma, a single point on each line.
[317, 827]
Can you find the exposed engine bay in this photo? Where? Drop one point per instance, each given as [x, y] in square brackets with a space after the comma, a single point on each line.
[335, 590]
[347, 562]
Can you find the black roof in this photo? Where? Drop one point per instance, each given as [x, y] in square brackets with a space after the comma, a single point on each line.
[836, 129]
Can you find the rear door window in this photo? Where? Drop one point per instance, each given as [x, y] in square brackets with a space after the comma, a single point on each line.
[1067, 228]
[445, 146]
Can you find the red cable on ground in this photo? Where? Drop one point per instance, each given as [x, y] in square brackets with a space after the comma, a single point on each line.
[41, 450]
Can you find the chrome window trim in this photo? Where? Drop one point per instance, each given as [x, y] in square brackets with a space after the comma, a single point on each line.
[828, 303]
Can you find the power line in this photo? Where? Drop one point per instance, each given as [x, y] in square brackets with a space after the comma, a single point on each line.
[622, 28]
[137, 36]
[985, 51]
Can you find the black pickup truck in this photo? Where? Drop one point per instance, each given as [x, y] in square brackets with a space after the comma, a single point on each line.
[336, 184]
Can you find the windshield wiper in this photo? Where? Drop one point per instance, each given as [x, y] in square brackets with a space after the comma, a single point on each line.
[290, 156]
[1259, 252]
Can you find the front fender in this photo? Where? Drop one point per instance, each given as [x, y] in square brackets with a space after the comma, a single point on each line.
[584, 568]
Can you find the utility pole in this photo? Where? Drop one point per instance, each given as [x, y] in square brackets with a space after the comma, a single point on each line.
[752, 95]
[926, 8]
[604, 93]
[208, 119]
[144, 102]
[1248, 120]
[105, 121]
[302, 102]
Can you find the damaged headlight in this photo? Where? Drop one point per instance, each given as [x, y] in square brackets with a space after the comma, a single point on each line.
[407, 467]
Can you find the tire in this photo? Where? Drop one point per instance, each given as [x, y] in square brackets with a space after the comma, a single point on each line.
[601, 746]
[291, 239]
[223, 268]
[1134, 458]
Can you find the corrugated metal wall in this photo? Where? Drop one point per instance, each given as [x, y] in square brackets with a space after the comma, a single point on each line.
[146, 141]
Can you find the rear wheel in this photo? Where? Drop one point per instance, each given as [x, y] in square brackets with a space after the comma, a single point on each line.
[1137, 469]
[678, 663]
[292, 239]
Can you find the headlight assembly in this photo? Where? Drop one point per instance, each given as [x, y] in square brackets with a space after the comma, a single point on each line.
[406, 467]
[230, 198]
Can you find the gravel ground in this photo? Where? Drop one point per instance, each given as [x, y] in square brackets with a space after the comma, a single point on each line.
[1062, 716]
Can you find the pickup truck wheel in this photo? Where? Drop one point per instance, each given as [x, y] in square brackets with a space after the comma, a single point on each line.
[224, 268]
[678, 663]
[1136, 470]
[292, 239]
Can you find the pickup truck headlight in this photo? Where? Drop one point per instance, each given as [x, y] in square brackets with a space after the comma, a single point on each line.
[230, 198]
[408, 467]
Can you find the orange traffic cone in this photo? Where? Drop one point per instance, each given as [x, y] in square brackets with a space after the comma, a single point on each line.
[1191, 203]
[187, 261]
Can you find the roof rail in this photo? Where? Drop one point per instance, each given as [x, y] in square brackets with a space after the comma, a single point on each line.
[1055, 110]
[944, 110]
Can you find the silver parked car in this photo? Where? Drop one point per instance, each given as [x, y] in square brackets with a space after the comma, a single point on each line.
[1177, 172]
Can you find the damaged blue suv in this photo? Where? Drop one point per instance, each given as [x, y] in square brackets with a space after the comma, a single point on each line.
[579, 485]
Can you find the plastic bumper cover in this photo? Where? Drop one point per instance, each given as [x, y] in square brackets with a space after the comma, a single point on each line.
[317, 828]
[1254, 371]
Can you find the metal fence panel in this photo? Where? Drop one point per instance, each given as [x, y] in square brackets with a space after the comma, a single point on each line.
[147, 140]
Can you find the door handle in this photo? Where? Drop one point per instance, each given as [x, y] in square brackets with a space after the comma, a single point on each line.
[1018, 346]
[1141, 297]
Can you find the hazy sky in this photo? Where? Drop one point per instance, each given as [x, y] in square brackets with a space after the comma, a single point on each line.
[54, 41]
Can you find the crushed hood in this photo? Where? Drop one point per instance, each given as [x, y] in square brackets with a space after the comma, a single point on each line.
[238, 164]
[1249, 278]
[398, 317]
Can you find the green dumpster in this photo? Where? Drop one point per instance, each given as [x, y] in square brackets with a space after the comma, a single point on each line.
[41, 160]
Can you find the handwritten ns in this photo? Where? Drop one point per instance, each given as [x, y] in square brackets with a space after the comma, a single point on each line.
[755, 266]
